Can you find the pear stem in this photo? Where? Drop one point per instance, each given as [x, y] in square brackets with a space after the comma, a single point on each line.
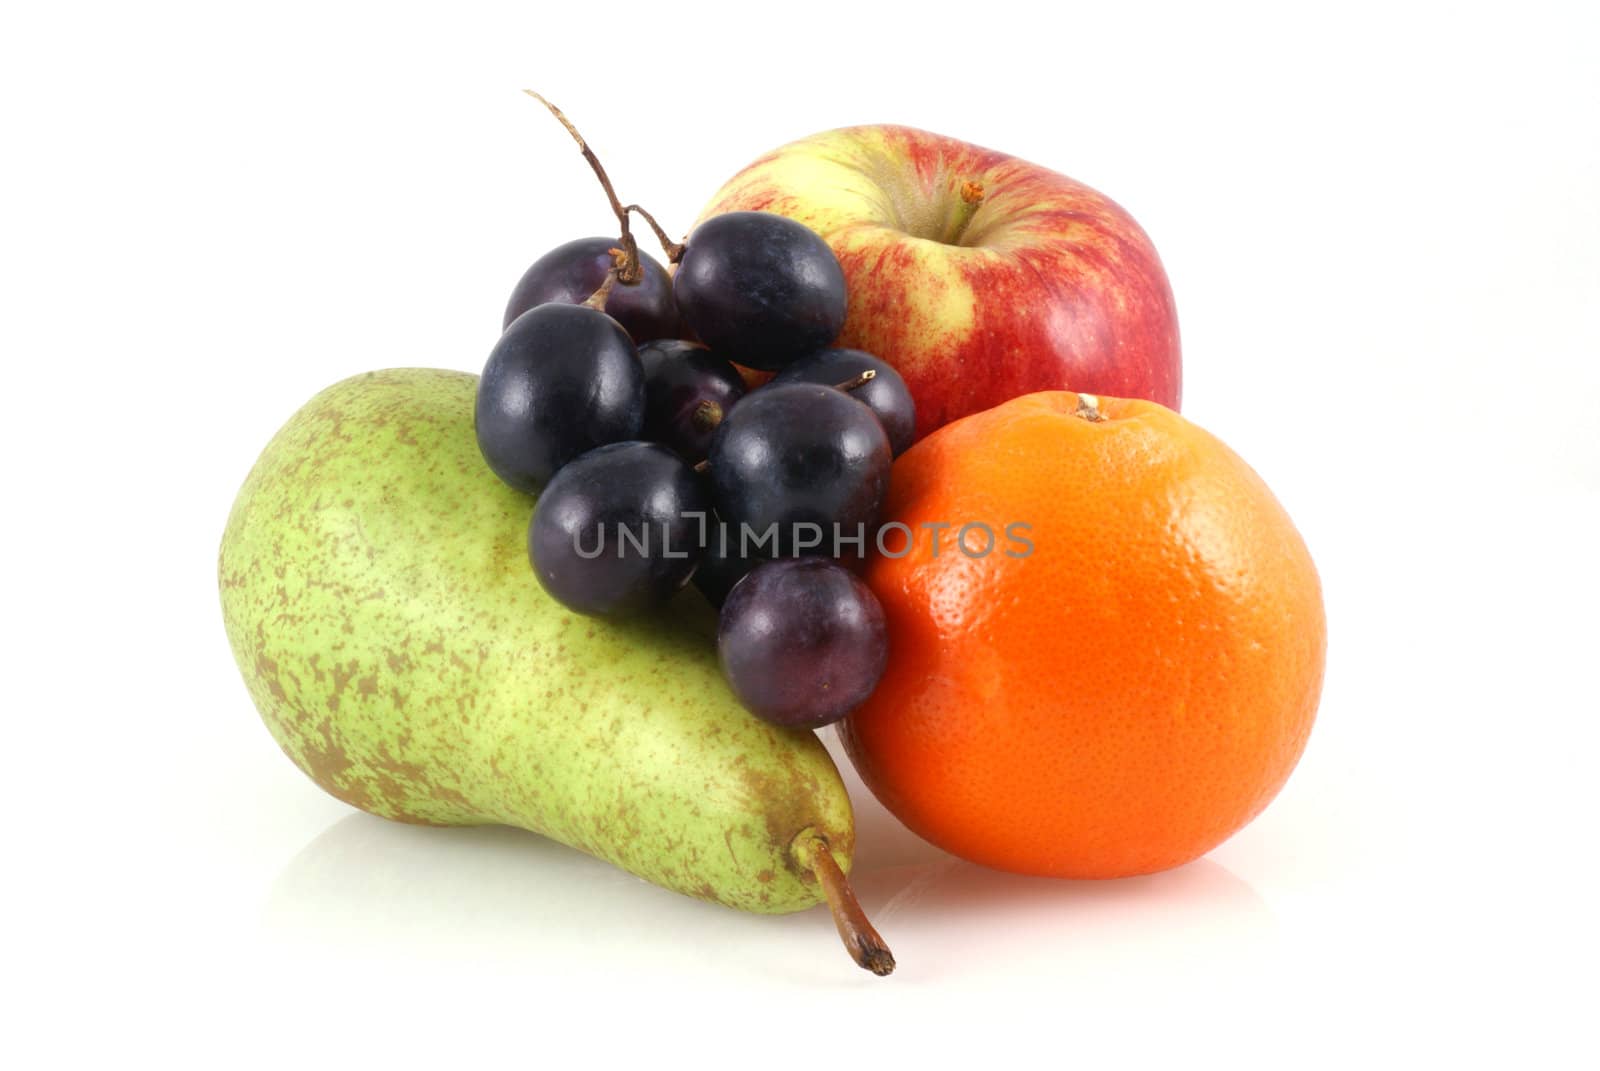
[863, 943]
[629, 273]
[972, 194]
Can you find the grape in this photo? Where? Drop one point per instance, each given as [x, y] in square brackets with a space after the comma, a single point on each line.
[576, 541]
[569, 274]
[562, 380]
[760, 289]
[687, 393]
[802, 642]
[723, 565]
[797, 454]
[885, 394]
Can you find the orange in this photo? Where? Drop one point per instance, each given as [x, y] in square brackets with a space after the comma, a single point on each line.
[1125, 696]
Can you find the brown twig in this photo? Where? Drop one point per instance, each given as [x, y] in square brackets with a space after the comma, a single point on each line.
[863, 943]
[630, 272]
[673, 250]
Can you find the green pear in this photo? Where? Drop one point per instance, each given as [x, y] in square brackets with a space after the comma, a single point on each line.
[378, 597]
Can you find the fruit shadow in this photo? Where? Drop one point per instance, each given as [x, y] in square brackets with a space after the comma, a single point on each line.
[380, 890]
[963, 920]
[967, 921]
[383, 891]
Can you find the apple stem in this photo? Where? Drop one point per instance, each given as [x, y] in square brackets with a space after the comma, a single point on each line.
[673, 250]
[972, 194]
[629, 272]
[863, 943]
[859, 381]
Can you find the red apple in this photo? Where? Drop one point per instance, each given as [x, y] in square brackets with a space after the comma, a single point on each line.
[977, 275]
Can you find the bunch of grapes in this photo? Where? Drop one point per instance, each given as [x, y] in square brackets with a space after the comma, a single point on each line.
[615, 395]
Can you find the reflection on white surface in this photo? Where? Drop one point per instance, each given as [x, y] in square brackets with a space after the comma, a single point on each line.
[378, 888]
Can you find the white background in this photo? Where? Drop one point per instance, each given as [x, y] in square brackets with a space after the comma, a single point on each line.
[1381, 225]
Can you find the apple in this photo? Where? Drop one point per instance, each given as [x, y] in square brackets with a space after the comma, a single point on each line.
[979, 276]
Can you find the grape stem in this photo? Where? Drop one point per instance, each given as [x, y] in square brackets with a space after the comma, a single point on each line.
[629, 272]
[863, 943]
[709, 418]
[707, 415]
[597, 300]
[673, 250]
[859, 381]
[848, 385]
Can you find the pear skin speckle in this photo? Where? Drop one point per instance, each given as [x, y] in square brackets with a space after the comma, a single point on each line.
[377, 594]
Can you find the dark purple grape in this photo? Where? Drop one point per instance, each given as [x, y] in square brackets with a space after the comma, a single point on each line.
[562, 380]
[810, 464]
[687, 393]
[760, 288]
[619, 530]
[886, 394]
[802, 642]
[569, 274]
[723, 564]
